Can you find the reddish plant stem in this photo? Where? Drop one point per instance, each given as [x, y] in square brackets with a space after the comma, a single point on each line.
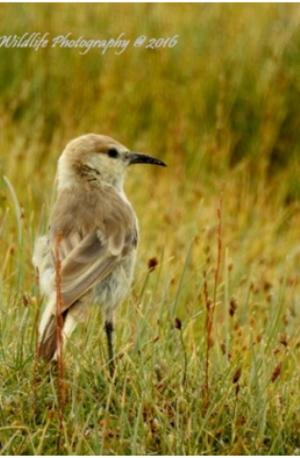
[36, 352]
[211, 305]
[219, 255]
[208, 328]
[59, 336]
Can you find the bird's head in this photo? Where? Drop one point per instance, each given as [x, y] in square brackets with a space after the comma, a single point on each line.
[98, 158]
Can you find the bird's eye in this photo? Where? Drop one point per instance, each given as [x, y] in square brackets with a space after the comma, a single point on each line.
[113, 152]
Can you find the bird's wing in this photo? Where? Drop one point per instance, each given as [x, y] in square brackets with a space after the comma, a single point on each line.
[88, 262]
[95, 229]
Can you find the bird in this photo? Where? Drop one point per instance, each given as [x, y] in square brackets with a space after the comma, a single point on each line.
[88, 254]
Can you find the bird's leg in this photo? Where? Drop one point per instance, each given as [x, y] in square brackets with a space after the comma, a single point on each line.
[109, 328]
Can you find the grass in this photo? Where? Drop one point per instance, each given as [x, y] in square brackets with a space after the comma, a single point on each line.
[208, 340]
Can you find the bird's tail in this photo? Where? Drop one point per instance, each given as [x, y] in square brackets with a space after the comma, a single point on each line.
[49, 333]
[48, 340]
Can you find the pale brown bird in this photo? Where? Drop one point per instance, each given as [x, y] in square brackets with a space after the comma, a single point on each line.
[92, 238]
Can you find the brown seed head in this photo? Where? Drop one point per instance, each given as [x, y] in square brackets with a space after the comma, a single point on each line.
[178, 324]
[232, 307]
[152, 263]
[237, 375]
[276, 372]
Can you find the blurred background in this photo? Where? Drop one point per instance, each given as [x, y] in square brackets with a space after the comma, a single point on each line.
[226, 96]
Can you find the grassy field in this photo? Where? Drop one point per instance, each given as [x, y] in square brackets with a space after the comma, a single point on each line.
[208, 346]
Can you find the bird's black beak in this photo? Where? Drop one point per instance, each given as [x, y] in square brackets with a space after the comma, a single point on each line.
[137, 158]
